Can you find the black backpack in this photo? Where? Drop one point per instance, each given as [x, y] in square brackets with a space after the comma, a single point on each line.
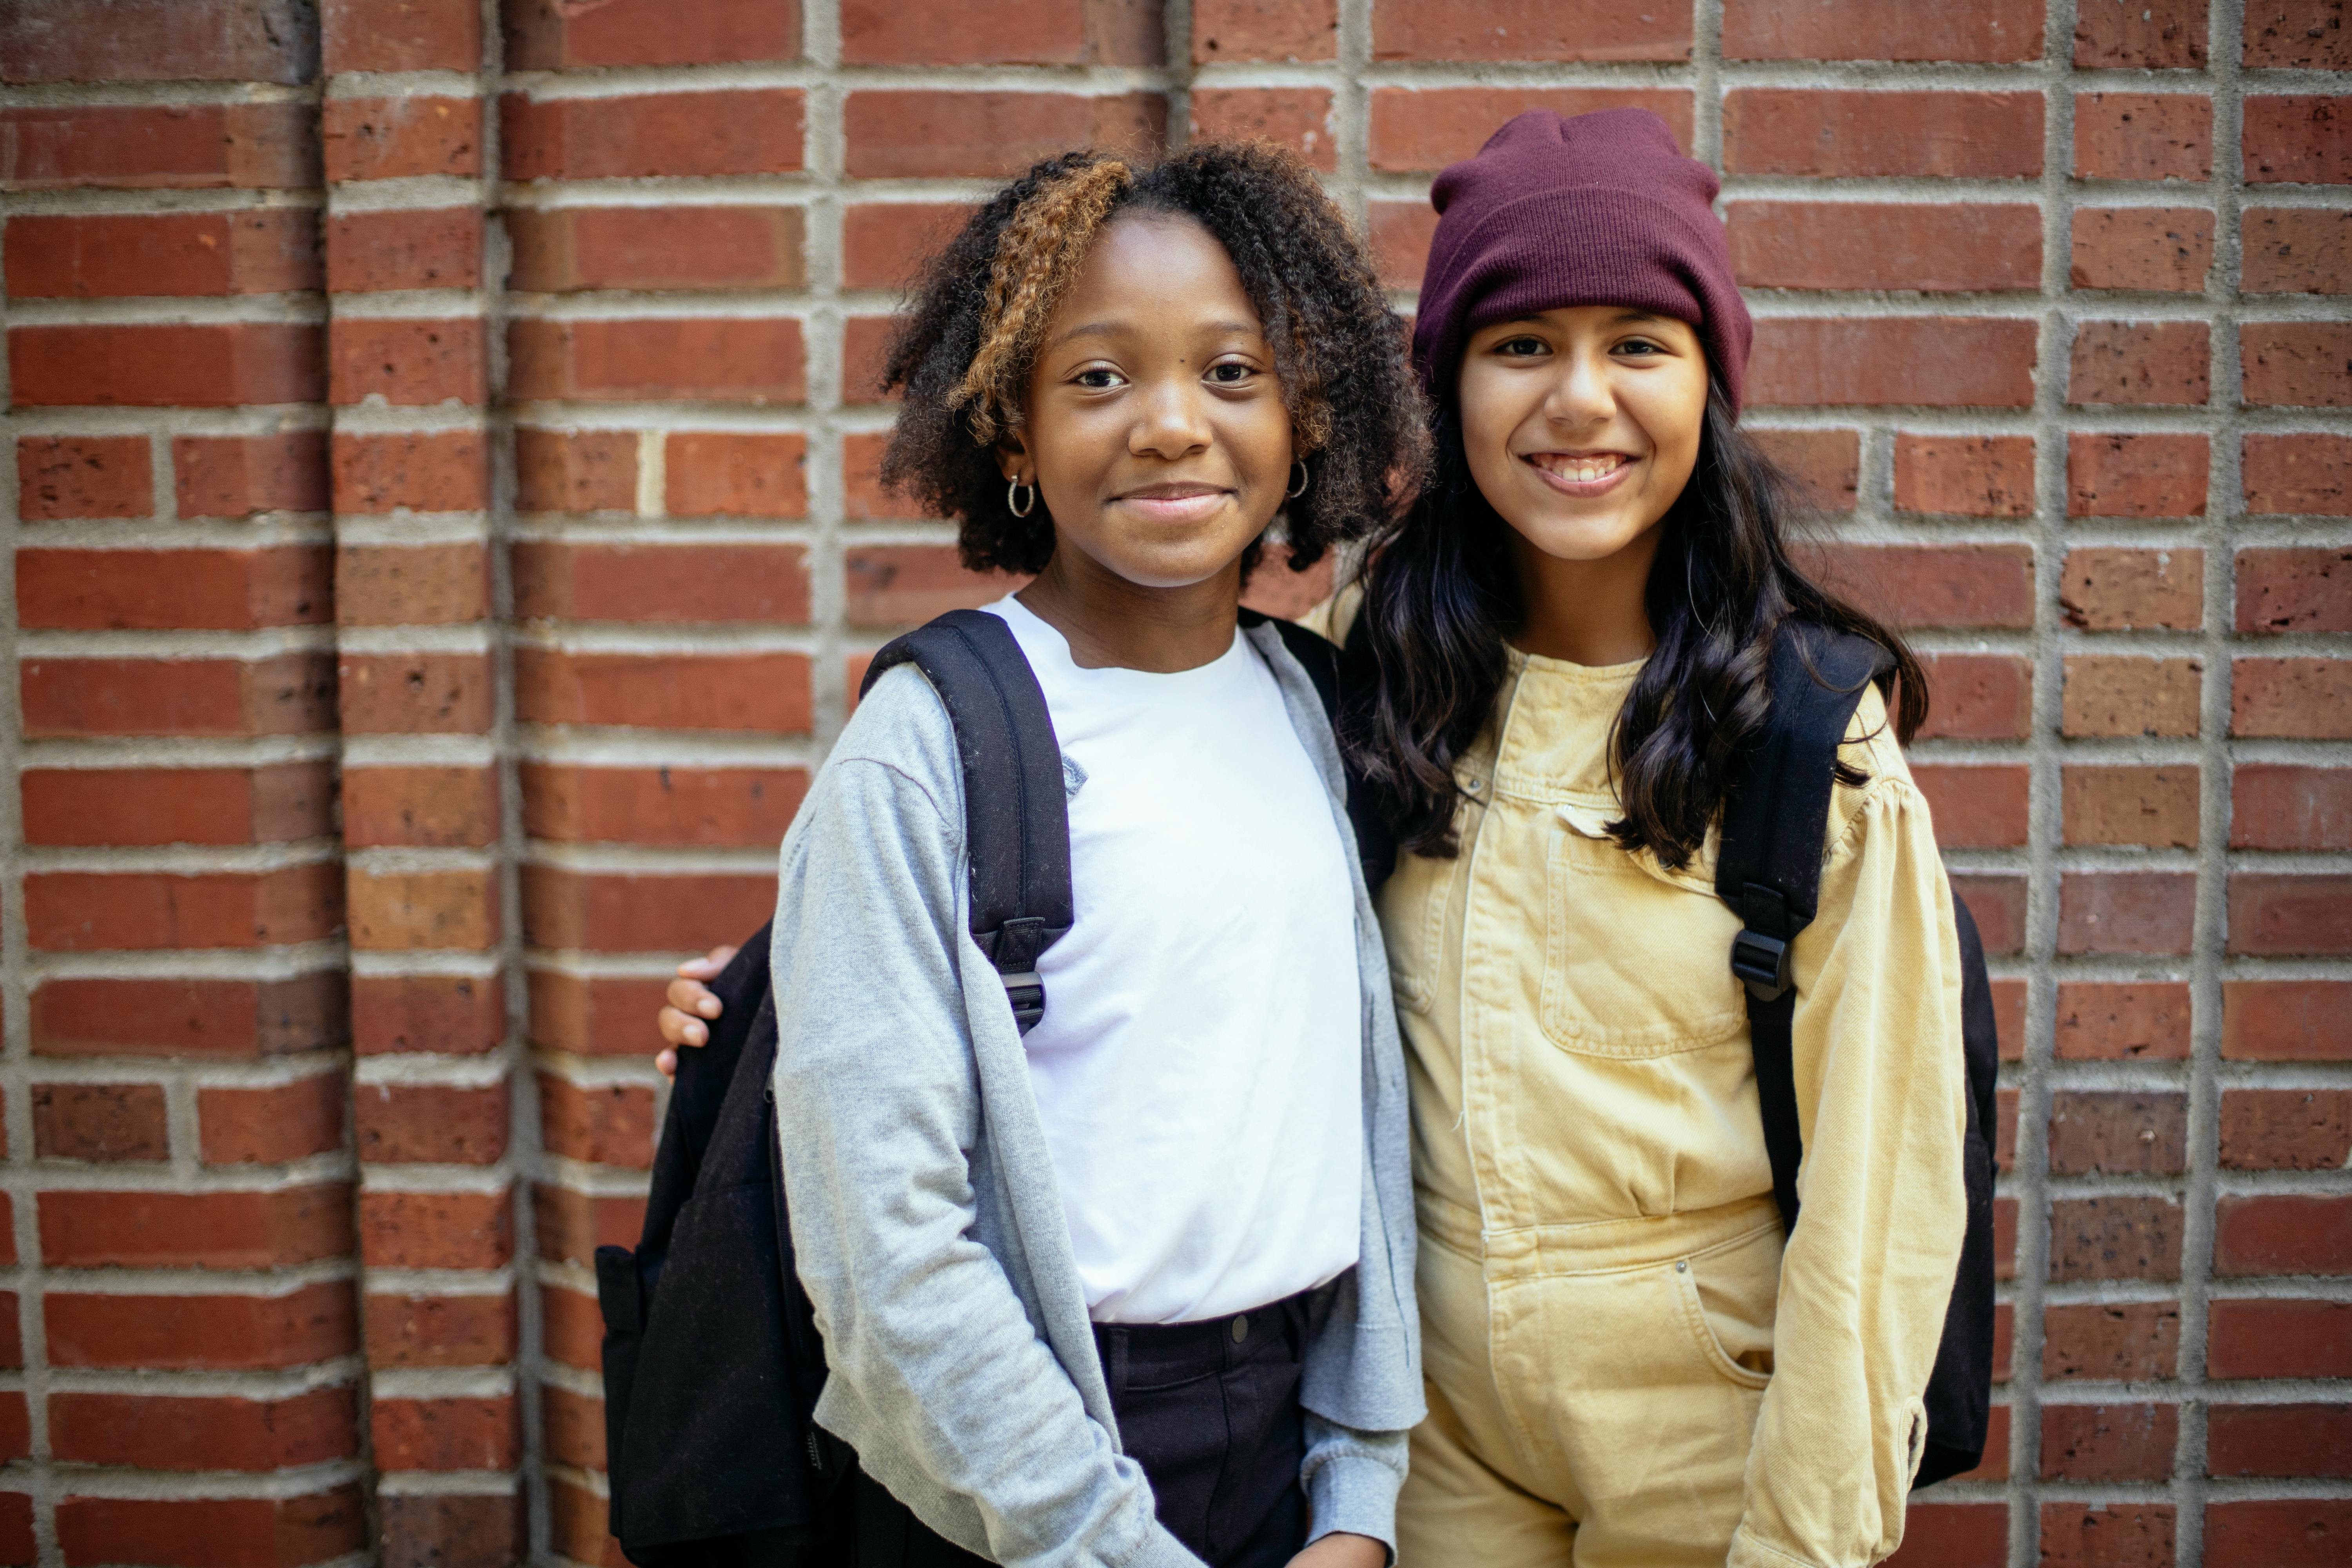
[1769, 873]
[712, 1360]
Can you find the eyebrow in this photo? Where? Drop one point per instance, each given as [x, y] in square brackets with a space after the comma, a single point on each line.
[1103, 329]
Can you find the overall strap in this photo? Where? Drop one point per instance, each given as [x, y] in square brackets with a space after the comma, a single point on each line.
[1016, 807]
[1769, 869]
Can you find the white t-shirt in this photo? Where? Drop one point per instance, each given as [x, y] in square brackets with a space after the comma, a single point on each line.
[1200, 1066]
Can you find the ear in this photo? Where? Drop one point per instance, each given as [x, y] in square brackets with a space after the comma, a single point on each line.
[1012, 459]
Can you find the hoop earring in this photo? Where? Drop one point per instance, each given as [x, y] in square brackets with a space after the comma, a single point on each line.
[1295, 492]
[1013, 503]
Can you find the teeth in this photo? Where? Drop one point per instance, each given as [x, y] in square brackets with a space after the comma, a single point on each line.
[1582, 471]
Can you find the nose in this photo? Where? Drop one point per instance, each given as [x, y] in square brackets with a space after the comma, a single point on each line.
[1170, 422]
[1580, 394]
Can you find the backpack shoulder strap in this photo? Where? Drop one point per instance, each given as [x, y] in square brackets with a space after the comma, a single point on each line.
[1768, 866]
[1016, 810]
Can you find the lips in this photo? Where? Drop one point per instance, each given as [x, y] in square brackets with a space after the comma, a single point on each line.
[1172, 503]
[1580, 474]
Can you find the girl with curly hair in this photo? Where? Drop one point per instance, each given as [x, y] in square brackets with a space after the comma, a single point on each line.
[1135, 1287]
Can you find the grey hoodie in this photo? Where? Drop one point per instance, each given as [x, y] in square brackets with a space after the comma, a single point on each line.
[924, 1211]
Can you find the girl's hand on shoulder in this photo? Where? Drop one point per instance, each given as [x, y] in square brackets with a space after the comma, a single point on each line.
[1340, 1549]
[689, 1002]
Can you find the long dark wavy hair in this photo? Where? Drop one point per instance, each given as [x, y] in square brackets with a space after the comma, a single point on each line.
[1441, 598]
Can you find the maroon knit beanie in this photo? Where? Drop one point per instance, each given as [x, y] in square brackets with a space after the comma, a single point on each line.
[1602, 209]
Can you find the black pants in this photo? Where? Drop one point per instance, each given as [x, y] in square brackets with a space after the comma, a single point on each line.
[1210, 1412]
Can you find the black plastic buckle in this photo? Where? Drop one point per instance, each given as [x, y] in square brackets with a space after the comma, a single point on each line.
[1762, 965]
[1027, 994]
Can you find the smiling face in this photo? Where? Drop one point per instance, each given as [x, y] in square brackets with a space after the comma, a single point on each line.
[1582, 424]
[1155, 429]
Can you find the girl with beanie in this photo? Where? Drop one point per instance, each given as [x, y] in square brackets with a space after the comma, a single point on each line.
[1565, 640]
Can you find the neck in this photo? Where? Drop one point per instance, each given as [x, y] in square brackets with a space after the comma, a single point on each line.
[1113, 624]
[1586, 612]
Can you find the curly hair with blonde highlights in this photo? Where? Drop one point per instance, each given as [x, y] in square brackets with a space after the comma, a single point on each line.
[965, 347]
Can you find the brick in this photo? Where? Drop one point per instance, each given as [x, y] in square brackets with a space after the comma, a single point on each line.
[290, 694]
[2278, 1233]
[865, 357]
[74, 911]
[2279, 1440]
[442, 1331]
[864, 496]
[1965, 476]
[2130, 1132]
[162, 1432]
[216, 1019]
[2108, 1442]
[1298, 118]
[1975, 30]
[2295, 250]
[566, 249]
[1825, 132]
[757, 362]
[2115, 590]
[1975, 807]
[399, 137]
[884, 245]
[2278, 805]
[407, 363]
[156, 589]
[2009, 1017]
[565, 470]
[2294, 590]
[711, 806]
[655, 584]
[625, 913]
[2150, 807]
[270, 1126]
[2135, 1342]
[717, 474]
[1941, 361]
[922, 134]
[572, 1327]
[2296, 364]
[423, 584]
[415, 693]
[572, 1224]
[94, 256]
[549, 35]
[1930, 246]
[2300, 1532]
[575, 1428]
[113, 1121]
[2119, 695]
[235, 476]
[272, 1229]
[756, 131]
[2136, 476]
[445, 1434]
[437, 807]
[2139, 35]
[437, 1230]
[1264, 30]
[2288, 35]
[202, 1333]
[1954, 1535]
[165, 365]
[2154, 249]
[401, 1123]
[212, 1530]
[1273, 590]
[240, 146]
[446, 1014]
[157, 41]
[1824, 467]
[2291, 913]
[1933, 585]
[2108, 1535]
[2143, 136]
[272, 805]
[1978, 697]
[602, 1124]
[401, 35]
[1998, 902]
[2284, 475]
[764, 693]
[2291, 698]
[2299, 139]
[2135, 1021]
[1995, 1464]
[2286, 1129]
[1399, 235]
[2126, 912]
[1422, 129]
[987, 32]
[2264, 1337]
[411, 471]
[409, 911]
[576, 1525]
[83, 476]
[907, 585]
[441, 1529]
[589, 1015]
[1529, 30]
[2140, 363]
[368, 251]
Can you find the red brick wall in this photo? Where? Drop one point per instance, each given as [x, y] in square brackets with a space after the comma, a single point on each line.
[445, 532]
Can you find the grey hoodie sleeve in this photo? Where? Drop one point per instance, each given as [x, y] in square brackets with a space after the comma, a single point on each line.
[879, 1108]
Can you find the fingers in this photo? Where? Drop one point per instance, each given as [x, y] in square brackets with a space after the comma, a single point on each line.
[708, 966]
[693, 998]
[665, 1063]
[680, 1029]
